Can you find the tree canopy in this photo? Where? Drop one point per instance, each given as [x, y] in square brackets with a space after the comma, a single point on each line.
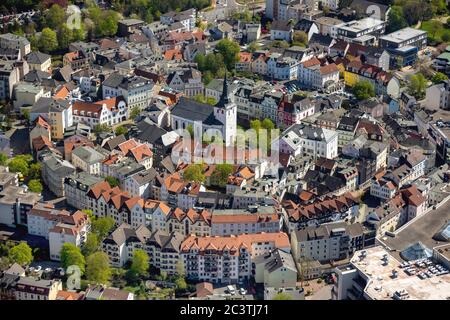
[194, 173]
[221, 173]
[139, 263]
[35, 186]
[364, 90]
[71, 255]
[48, 40]
[102, 227]
[417, 85]
[113, 181]
[98, 268]
[21, 254]
[229, 49]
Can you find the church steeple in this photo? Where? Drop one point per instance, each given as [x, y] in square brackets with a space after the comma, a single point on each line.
[224, 99]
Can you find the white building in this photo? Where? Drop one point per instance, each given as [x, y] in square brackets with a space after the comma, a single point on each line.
[316, 76]
[438, 96]
[108, 112]
[71, 230]
[228, 259]
[309, 140]
[87, 159]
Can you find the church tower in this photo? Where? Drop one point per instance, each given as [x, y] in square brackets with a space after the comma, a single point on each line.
[226, 112]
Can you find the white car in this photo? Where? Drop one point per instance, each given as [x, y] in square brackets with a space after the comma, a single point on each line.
[38, 268]
[242, 291]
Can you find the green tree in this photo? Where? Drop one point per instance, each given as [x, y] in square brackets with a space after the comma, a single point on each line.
[91, 245]
[100, 128]
[181, 284]
[268, 124]
[21, 254]
[102, 227]
[364, 90]
[396, 19]
[230, 51]
[438, 77]
[34, 171]
[194, 173]
[79, 34]
[121, 130]
[3, 159]
[179, 268]
[221, 173]
[65, 36]
[35, 186]
[71, 256]
[282, 296]
[113, 181]
[139, 263]
[434, 27]
[18, 164]
[55, 17]
[253, 46]
[417, 85]
[48, 40]
[135, 112]
[301, 38]
[98, 268]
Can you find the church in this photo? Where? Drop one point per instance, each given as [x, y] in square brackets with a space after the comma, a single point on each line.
[220, 118]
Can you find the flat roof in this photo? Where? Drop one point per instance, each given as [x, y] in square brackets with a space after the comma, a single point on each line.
[422, 229]
[382, 286]
[403, 35]
[359, 25]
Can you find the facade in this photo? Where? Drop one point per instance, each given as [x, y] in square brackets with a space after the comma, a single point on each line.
[15, 203]
[108, 112]
[227, 259]
[87, 159]
[326, 242]
[276, 269]
[404, 37]
[313, 141]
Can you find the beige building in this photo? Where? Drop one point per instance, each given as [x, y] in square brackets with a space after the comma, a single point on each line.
[39, 61]
[276, 269]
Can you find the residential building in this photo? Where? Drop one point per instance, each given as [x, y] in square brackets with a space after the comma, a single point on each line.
[327, 242]
[108, 112]
[39, 61]
[336, 208]
[255, 219]
[188, 81]
[438, 96]
[76, 187]
[15, 203]
[313, 141]
[9, 76]
[281, 30]
[135, 90]
[404, 37]
[227, 259]
[364, 31]
[276, 269]
[87, 159]
[72, 229]
[54, 171]
[12, 41]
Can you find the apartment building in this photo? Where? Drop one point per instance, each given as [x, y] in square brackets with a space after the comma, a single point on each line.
[188, 81]
[76, 186]
[57, 112]
[438, 96]
[54, 171]
[135, 90]
[71, 229]
[255, 219]
[108, 112]
[276, 269]
[15, 42]
[191, 221]
[39, 61]
[335, 208]
[326, 242]
[404, 37]
[227, 259]
[9, 76]
[315, 75]
[364, 31]
[87, 159]
[313, 141]
[15, 203]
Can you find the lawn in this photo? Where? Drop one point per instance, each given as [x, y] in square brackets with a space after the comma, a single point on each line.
[441, 35]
